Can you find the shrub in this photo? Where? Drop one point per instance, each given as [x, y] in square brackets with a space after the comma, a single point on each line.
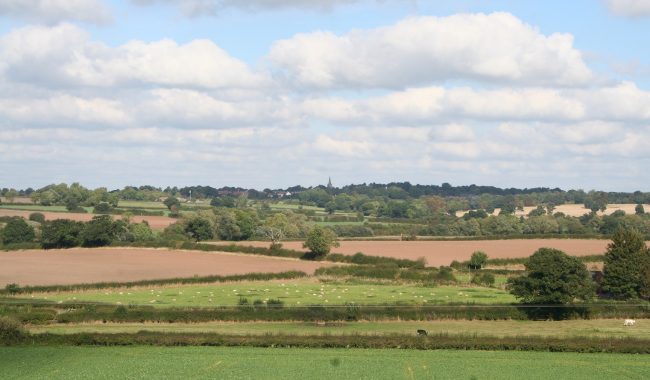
[11, 331]
[61, 233]
[37, 217]
[12, 288]
[484, 279]
[320, 241]
[102, 208]
[17, 231]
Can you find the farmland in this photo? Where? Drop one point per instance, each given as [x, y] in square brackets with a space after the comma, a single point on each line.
[291, 293]
[155, 222]
[255, 363]
[83, 265]
[602, 328]
[440, 252]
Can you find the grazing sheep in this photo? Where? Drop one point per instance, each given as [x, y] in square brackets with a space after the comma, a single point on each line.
[422, 332]
[629, 322]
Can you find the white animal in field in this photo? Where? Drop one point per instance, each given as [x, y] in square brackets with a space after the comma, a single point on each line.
[629, 322]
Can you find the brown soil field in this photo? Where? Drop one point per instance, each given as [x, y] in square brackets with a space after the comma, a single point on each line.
[155, 222]
[444, 252]
[88, 265]
[575, 210]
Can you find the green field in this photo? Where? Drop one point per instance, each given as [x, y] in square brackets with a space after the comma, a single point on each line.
[595, 328]
[286, 363]
[28, 207]
[292, 293]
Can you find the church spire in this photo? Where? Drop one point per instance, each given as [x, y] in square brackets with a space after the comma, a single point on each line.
[329, 182]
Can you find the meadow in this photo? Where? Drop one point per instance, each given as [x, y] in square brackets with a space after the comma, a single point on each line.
[598, 328]
[255, 363]
[291, 293]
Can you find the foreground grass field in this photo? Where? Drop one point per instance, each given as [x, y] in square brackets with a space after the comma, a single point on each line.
[291, 293]
[601, 328]
[284, 363]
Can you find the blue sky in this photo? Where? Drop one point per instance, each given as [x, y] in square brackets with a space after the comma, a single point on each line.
[273, 93]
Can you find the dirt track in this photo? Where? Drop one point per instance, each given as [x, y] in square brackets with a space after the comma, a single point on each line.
[155, 222]
[444, 252]
[87, 265]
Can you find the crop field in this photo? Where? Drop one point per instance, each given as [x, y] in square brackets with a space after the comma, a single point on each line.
[255, 363]
[155, 222]
[88, 265]
[602, 328]
[439, 253]
[39, 208]
[292, 293]
[574, 209]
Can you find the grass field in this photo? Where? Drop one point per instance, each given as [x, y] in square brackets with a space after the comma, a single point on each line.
[291, 293]
[285, 363]
[36, 208]
[594, 328]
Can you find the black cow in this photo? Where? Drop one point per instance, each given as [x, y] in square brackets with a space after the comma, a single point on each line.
[422, 332]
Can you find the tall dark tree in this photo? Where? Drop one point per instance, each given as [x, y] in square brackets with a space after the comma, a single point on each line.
[199, 229]
[61, 233]
[17, 231]
[623, 263]
[552, 277]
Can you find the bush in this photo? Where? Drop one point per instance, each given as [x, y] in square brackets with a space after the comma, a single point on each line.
[102, 208]
[320, 241]
[37, 217]
[11, 331]
[61, 233]
[484, 279]
[12, 288]
[17, 231]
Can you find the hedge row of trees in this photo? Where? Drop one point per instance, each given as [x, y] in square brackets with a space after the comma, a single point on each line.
[102, 230]
[552, 277]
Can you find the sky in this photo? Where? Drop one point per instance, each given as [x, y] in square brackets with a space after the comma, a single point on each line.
[276, 93]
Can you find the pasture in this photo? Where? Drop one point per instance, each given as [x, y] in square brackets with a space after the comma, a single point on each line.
[443, 252]
[89, 265]
[292, 293]
[593, 328]
[255, 363]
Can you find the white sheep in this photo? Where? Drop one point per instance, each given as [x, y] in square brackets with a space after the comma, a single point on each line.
[629, 322]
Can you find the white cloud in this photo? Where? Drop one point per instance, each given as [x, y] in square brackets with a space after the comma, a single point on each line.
[194, 8]
[63, 109]
[54, 11]
[629, 8]
[494, 47]
[64, 55]
[435, 105]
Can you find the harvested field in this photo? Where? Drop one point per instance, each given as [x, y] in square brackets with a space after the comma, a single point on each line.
[88, 265]
[155, 222]
[444, 252]
[574, 209]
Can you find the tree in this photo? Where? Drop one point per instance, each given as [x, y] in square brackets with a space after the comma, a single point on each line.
[552, 277]
[199, 229]
[639, 210]
[102, 208]
[101, 231]
[37, 217]
[622, 270]
[61, 233]
[172, 201]
[276, 228]
[17, 231]
[478, 260]
[320, 241]
[141, 231]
